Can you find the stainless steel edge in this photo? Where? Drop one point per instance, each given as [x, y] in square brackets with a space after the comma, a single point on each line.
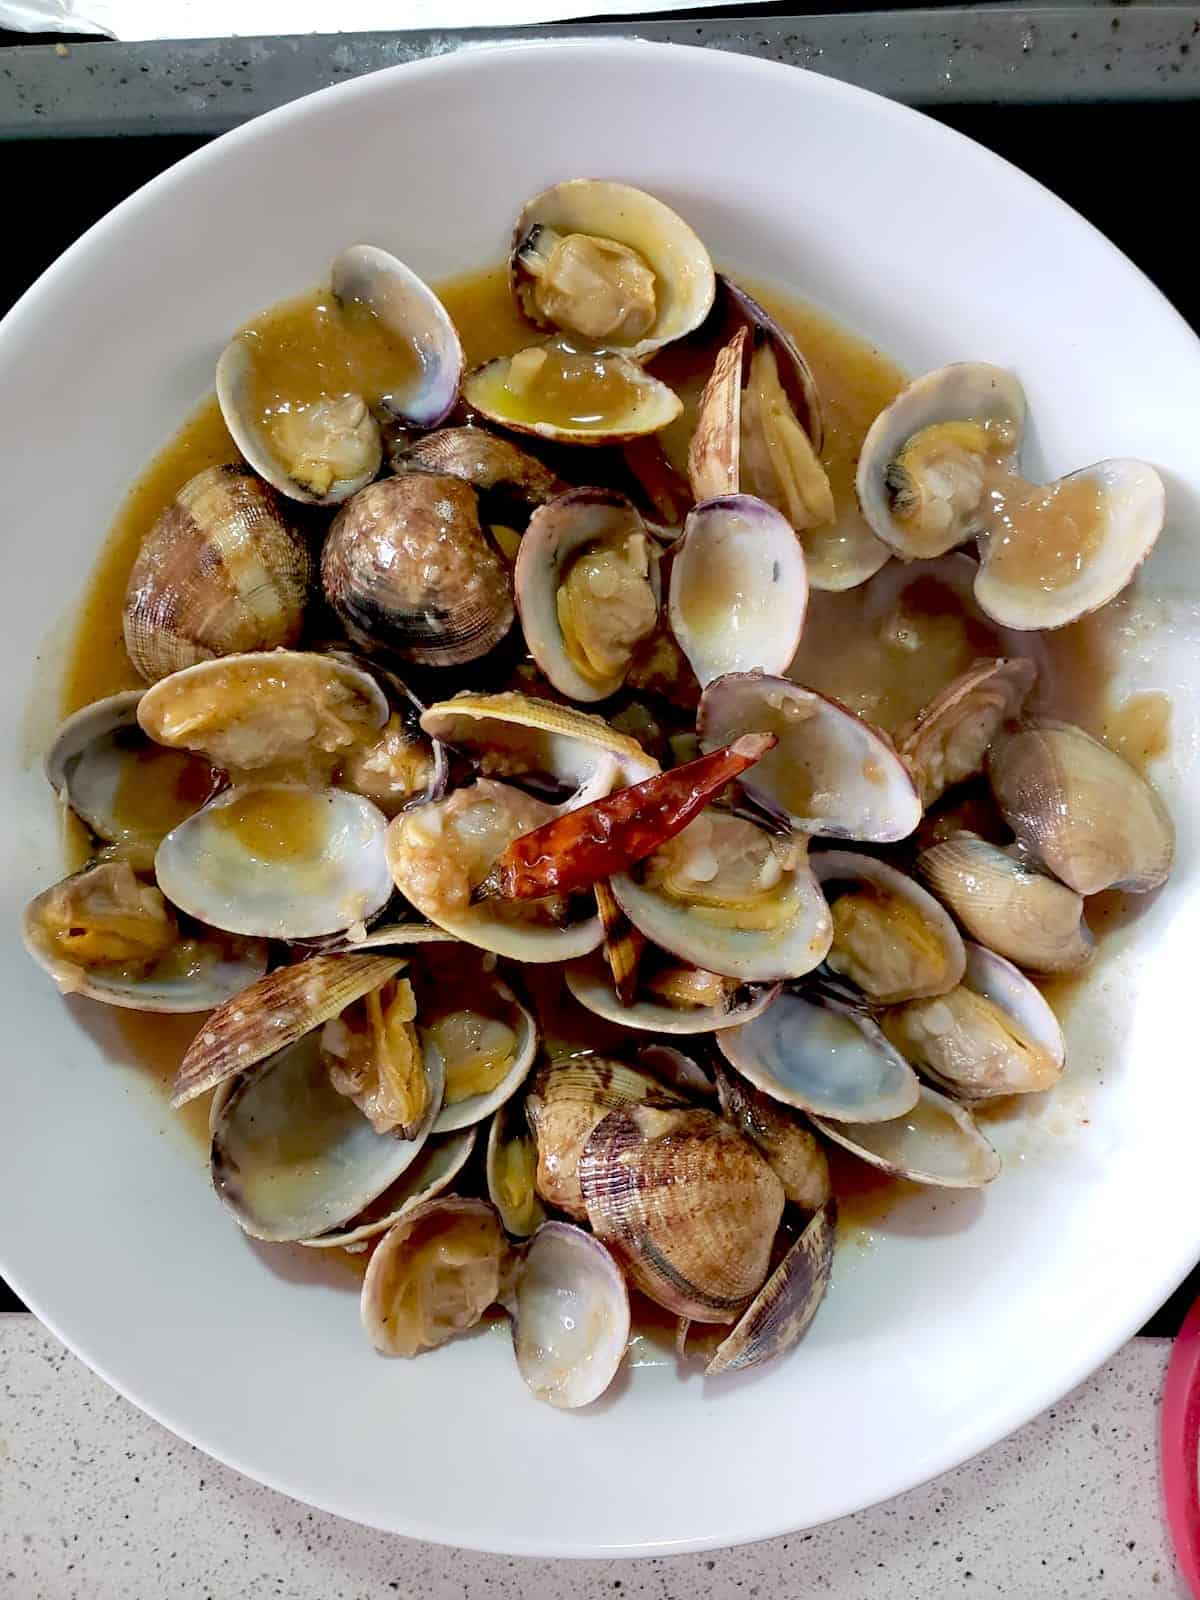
[1028, 54]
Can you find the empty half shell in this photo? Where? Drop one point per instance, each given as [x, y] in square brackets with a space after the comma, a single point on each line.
[570, 1310]
[830, 773]
[439, 1162]
[993, 1034]
[822, 1059]
[587, 588]
[277, 861]
[1088, 816]
[687, 1206]
[936, 1142]
[571, 395]
[292, 1158]
[1007, 905]
[611, 264]
[738, 588]
[781, 1312]
[948, 741]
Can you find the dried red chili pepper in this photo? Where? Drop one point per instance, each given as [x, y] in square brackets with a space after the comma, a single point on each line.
[580, 847]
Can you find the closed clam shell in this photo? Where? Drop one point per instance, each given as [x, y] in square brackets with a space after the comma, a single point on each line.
[1083, 811]
[224, 569]
[948, 741]
[787, 1143]
[687, 1205]
[1007, 906]
[410, 573]
[490, 463]
[273, 1012]
[781, 1312]
[566, 1098]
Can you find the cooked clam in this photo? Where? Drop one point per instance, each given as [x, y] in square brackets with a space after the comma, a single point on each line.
[729, 897]
[687, 1206]
[587, 589]
[512, 1170]
[939, 466]
[410, 573]
[434, 1274]
[273, 714]
[440, 853]
[926, 464]
[566, 1099]
[1088, 816]
[822, 1059]
[1006, 905]
[485, 1037]
[891, 938]
[935, 1142]
[738, 588]
[105, 934]
[572, 395]
[442, 1157]
[948, 741]
[570, 1311]
[786, 1142]
[317, 439]
[223, 570]
[292, 1157]
[993, 1034]
[781, 1312]
[670, 996]
[128, 790]
[611, 264]
[278, 861]
[830, 773]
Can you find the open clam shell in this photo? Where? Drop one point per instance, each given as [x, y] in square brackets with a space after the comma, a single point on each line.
[830, 773]
[683, 280]
[891, 938]
[935, 1142]
[785, 929]
[1007, 906]
[571, 396]
[274, 1012]
[1060, 550]
[567, 1097]
[687, 1206]
[346, 433]
[292, 1158]
[733, 309]
[787, 1143]
[586, 576]
[128, 790]
[278, 861]
[782, 1311]
[994, 1034]
[948, 741]
[496, 1001]
[439, 1161]
[822, 1059]
[278, 712]
[923, 508]
[738, 588]
[434, 1274]
[570, 1310]
[512, 1168]
[1088, 816]
[203, 969]
[591, 983]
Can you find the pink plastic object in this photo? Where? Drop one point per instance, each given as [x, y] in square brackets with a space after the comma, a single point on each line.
[1181, 1448]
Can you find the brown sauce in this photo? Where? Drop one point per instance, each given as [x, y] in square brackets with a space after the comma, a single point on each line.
[884, 663]
[1045, 532]
[274, 825]
[558, 385]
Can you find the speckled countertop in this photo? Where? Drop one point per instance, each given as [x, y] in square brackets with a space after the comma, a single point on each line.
[98, 1502]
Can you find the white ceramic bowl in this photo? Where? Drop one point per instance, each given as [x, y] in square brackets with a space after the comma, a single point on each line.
[969, 1314]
